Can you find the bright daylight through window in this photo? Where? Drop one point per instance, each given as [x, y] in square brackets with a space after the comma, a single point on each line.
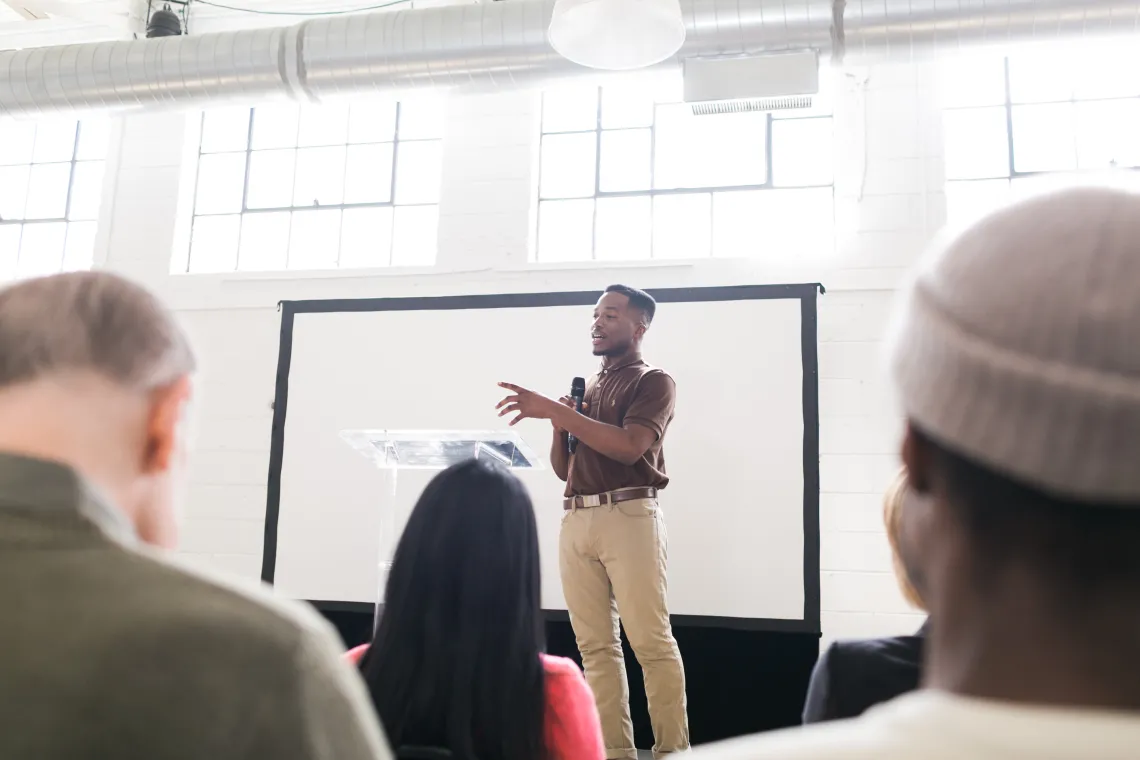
[628, 172]
[317, 187]
[1024, 124]
[51, 185]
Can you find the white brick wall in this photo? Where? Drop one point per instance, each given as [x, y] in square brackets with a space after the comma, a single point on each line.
[889, 200]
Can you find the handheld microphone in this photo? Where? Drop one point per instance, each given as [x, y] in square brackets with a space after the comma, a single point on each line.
[577, 391]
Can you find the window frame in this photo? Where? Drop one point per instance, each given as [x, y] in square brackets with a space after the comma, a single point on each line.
[72, 163]
[971, 197]
[652, 192]
[1008, 106]
[396, 141]
[70, 181]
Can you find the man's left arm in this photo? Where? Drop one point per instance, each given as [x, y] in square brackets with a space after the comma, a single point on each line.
[644, 423]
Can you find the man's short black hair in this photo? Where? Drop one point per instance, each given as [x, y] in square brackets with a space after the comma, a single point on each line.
[1079, 547]
[638, 299]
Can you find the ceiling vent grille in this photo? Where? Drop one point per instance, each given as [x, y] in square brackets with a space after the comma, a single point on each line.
[739, 84]
[787, 103]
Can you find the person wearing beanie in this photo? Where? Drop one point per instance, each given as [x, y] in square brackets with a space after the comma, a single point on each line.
[1016, 355]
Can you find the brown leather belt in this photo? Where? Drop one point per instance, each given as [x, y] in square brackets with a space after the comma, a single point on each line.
[612, 497]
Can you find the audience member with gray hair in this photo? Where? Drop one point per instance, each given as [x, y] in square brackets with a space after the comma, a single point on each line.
[107, 650]
[1017, 360]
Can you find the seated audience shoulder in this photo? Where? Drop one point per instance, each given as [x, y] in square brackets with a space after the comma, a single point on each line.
[572, 724]
[853, 676]
[308, 703]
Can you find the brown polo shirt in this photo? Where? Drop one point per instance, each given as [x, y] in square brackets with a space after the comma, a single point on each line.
[629, 394]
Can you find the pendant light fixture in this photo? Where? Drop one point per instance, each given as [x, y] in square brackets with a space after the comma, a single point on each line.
[164, 21]
[616, 35]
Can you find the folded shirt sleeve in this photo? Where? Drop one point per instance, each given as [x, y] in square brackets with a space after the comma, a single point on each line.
[653, 402]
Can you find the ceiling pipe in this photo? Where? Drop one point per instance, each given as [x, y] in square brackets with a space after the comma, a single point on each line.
[502, 45]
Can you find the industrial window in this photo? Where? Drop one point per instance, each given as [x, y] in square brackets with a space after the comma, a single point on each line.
[51, 185]
[628, 172]
[332, 186]
[1019, 125]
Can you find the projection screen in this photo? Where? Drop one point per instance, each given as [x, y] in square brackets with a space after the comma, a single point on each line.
[742, 506]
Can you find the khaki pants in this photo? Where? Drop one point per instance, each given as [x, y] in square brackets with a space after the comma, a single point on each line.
[613, 561]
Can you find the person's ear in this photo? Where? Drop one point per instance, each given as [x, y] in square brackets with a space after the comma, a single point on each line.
[916, 457]
[164, 418]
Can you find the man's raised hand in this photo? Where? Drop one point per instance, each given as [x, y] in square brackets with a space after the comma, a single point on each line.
[527, 404]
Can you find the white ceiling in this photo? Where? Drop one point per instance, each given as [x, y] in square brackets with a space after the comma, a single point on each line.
[72, 21]
[61, 22]
[204, 18]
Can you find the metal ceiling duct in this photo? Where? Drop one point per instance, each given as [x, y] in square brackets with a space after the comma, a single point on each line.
[900, 29]
[496, 45]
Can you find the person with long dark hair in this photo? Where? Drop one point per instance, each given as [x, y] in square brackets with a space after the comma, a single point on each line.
[457, 661]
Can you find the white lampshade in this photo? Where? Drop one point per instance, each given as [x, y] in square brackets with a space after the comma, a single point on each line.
[617, 35]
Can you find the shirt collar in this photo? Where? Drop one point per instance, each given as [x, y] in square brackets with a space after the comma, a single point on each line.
[628, 362]
[52, 489]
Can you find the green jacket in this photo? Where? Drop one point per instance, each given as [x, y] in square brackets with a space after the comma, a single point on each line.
[109, 650]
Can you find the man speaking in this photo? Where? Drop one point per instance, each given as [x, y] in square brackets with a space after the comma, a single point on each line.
[613, 545]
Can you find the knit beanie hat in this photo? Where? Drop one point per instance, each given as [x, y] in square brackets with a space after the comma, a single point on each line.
[1017, 344]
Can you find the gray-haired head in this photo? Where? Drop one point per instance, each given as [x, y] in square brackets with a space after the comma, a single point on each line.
[90, 322]
[94, 376]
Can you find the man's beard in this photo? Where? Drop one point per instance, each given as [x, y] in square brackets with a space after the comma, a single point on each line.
[613, 351]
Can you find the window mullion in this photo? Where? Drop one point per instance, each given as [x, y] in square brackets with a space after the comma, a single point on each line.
[71, 171]
[597, 175]
[1009, 120]
[392, 191]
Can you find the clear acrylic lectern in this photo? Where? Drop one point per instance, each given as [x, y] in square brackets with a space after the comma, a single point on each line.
[395, 450]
